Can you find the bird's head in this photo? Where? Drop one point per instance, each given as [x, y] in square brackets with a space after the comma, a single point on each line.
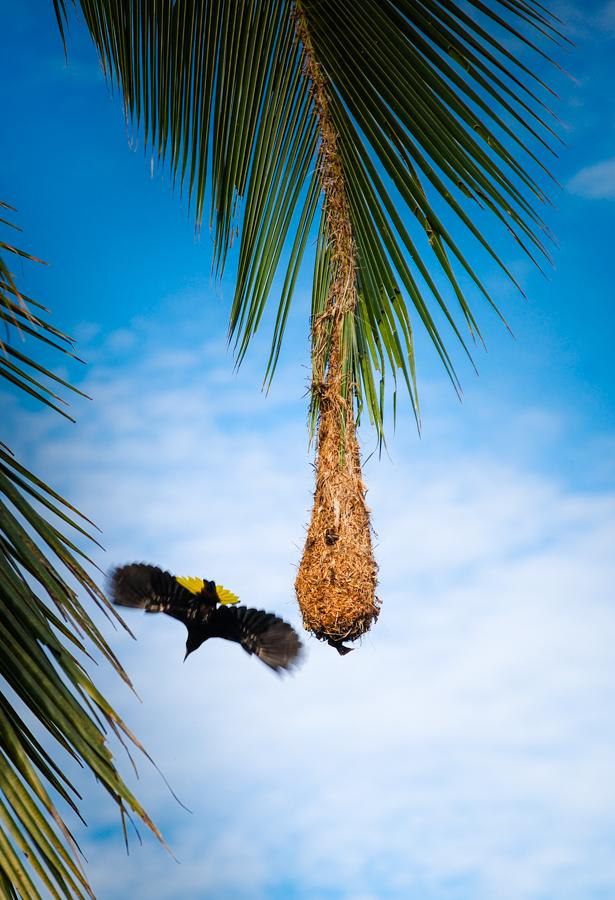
[193, 641]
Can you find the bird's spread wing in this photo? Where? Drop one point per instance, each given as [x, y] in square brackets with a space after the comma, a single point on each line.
[151, 589]
[274, 641]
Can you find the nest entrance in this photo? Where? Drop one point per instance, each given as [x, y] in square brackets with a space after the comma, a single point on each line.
[336, 581]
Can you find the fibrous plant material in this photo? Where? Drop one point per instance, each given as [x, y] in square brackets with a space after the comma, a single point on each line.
[336, 581]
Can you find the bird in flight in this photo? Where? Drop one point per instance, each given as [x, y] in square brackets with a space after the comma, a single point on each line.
[207, 611]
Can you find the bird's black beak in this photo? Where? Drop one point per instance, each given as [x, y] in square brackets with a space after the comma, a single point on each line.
[187, 654]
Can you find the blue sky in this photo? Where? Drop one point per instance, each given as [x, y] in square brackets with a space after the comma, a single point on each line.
[465, 750]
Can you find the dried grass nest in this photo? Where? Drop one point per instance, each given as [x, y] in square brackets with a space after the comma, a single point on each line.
[337, 577]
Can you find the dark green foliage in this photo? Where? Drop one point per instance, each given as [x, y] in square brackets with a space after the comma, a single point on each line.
[442, 126]
[44, 636]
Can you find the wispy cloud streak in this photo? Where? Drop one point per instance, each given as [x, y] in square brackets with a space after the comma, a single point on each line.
[596, 181]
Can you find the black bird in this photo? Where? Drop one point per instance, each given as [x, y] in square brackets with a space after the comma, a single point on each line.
[341, 648]
[207, 611]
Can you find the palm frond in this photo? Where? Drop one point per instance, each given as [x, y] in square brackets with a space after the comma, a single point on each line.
[443, 130]
[439, 125]
[45, 633]
[219, 92]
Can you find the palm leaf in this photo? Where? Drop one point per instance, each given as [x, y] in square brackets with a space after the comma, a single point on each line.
[45, 633]
[430, 123]
[218, 89]
[442, 131]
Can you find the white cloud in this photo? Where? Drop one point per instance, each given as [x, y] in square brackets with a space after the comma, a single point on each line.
[463, 751]
[596, 181]
[585, 20]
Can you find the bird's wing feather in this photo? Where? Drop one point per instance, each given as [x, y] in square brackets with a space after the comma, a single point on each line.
[270, 638]
[194, 585]
[149, 588]
[225, 596]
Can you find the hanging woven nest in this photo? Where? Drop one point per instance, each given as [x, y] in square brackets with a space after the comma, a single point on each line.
[336, 581]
